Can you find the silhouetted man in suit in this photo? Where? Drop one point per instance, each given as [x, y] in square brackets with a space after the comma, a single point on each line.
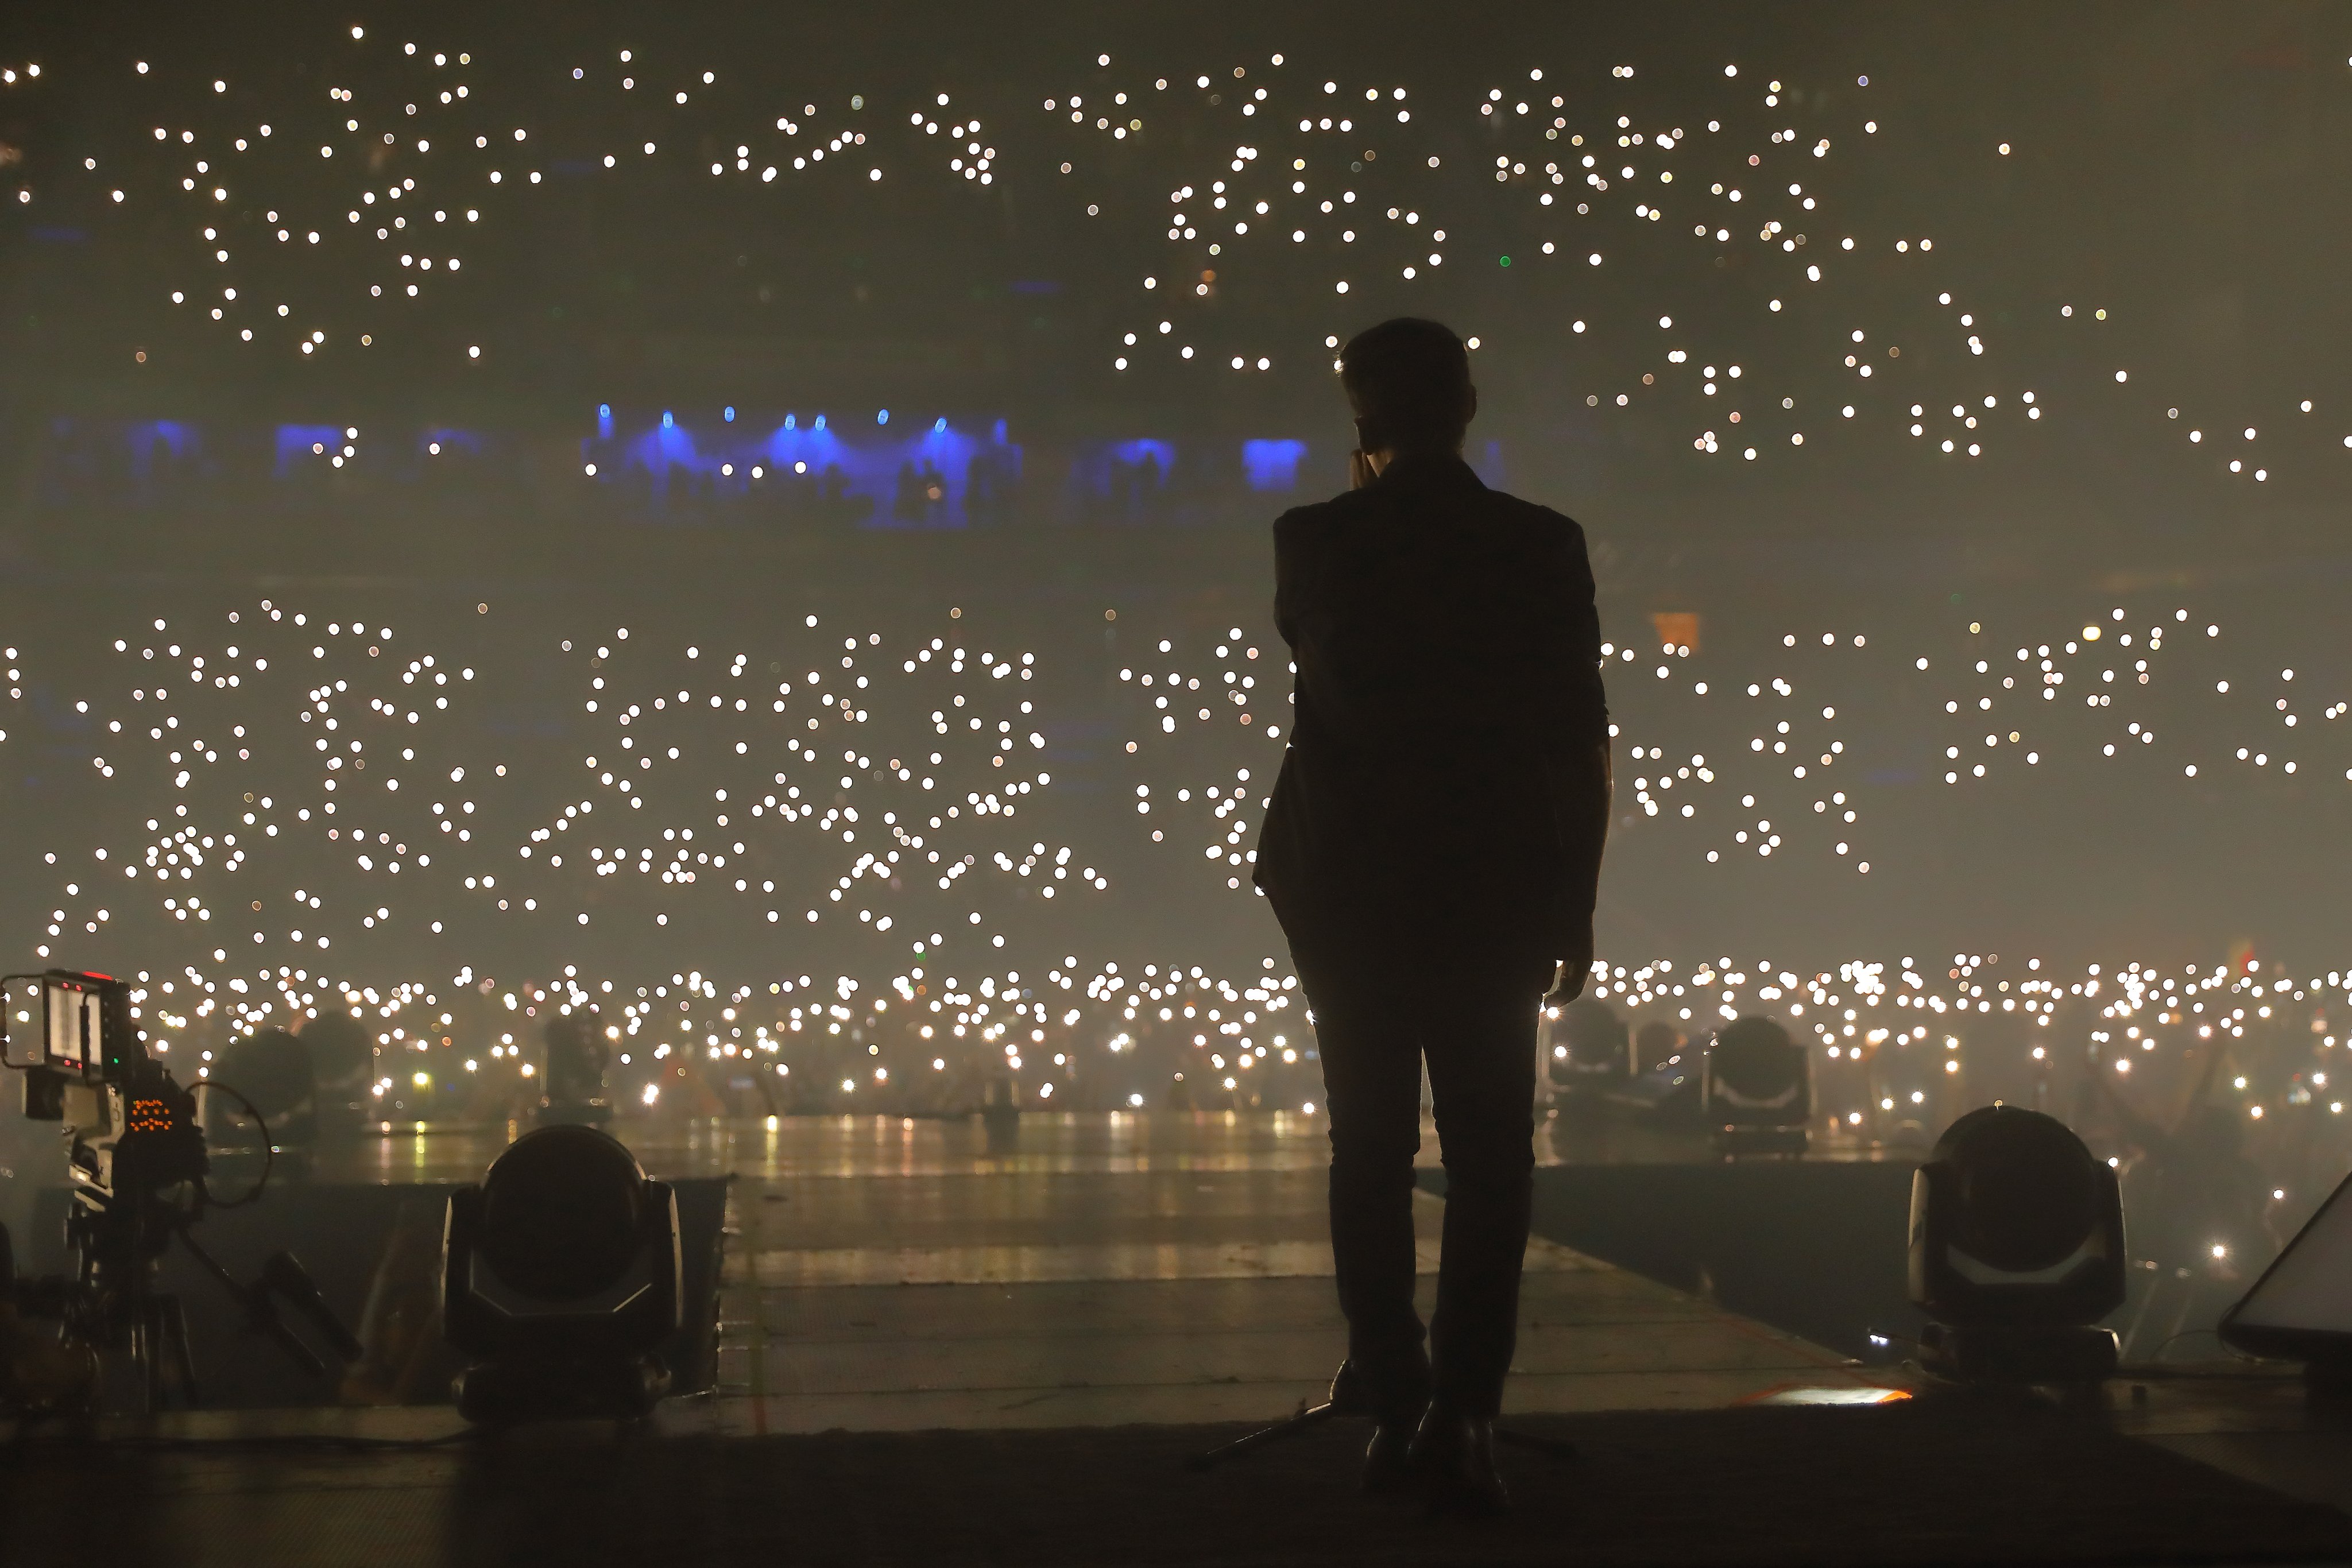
[1432, 852]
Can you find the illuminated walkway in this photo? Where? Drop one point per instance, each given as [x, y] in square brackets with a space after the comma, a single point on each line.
[1104, 1270]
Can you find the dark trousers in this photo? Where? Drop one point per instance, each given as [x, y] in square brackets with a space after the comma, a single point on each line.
[1476, 1024]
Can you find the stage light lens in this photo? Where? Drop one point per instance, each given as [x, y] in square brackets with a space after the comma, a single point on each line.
[563, 1213]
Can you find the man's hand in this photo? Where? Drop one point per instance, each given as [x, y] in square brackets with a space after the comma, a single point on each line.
[1575, 973]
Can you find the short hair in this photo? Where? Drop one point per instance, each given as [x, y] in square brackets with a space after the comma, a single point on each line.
[1410, 378]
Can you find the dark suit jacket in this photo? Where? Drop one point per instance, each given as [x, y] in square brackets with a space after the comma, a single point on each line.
[1441, 790]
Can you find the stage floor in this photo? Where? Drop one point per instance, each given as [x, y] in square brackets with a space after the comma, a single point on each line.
[883, 1273]
[1155, 1270]
[1159, 1268]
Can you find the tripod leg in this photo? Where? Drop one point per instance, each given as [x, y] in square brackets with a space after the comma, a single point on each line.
[175, 1343]
[1305, 1420]
[1346, 1397]
[147, 1363]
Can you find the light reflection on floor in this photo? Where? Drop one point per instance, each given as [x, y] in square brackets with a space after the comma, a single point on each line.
[871, 1147]
[1040, 1143]
[1096, 1270]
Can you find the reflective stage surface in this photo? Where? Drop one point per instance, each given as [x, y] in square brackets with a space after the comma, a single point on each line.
[884, 1276]
[1100, 1270]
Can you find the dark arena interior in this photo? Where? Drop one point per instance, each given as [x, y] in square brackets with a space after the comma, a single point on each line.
[645, 684]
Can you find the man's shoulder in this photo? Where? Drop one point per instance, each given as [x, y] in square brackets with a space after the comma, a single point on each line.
[1535, 531]
[1305, 522]
[1533, 515]
[1313, 517]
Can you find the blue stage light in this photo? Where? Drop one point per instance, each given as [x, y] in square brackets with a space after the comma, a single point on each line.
[1272, 464]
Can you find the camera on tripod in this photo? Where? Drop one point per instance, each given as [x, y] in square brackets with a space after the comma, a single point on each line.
[131, 1122]
[136, 1161]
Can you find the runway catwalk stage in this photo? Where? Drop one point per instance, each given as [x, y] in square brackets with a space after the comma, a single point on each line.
[889, 1274]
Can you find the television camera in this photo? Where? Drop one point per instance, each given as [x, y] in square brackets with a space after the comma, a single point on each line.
[136, 1163]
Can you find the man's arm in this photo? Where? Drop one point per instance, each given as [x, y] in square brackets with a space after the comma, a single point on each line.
[1581, 720]
[1583, 712]
[1285, 580]
[1590, 788]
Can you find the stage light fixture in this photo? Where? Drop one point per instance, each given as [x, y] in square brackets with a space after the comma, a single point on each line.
[1653, 1043]
[1755, 1089]
[560, 1273]
[272, 1071]
[342, 1066]
[1587, 1045]
[2017, 1251]
[1664, 1090]
[572, 1072]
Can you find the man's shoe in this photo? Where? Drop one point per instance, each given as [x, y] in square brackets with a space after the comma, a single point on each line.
[1453, 1455]
[1395, 1403]
[1388, 1460]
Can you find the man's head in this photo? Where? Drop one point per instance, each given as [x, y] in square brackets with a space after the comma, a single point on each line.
[1408, 382]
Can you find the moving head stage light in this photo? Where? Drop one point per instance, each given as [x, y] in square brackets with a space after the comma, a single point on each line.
[573, 1072]
[2017, 1251]
[560, 1274]
[137, 1161]
[1590, 1046]
[272, 1071]
[1665, 1088]
[1755, 1089]
[342, 1063]
[1654, 1043]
